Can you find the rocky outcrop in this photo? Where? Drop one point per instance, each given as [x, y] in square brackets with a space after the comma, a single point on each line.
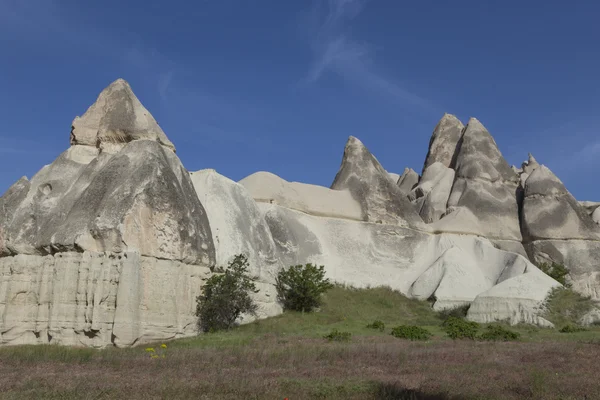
[380, 198]
[112, 242]
[104, 247]
[431, 194]
[445, 142]
[408, 180]
[559, 229]
[116, 118]
[485, 186]
[238, 227]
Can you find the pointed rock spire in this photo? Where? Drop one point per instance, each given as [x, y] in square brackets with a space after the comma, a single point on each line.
[486, 185]
[444, 141]
[117, 117]
[408, 180]
[380, 198]
[479, 156]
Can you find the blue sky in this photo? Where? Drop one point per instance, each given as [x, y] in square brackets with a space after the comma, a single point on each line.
[242, 86]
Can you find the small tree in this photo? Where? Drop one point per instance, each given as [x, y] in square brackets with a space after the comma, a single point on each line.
[556, 271]
[226, 296]
[299, 288]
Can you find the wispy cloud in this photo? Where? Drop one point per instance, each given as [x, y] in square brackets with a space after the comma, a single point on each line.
[336, 51]
[589, 154]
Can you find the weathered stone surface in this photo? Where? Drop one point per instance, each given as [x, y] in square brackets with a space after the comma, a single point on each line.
[581, 257]
[485, 185]
[394, 176]
[266, 187]
[408, 180]
[591, 318]
[551, 212]
[116, 118]
[380, 198]
[444, 142]
[97, 299]
[140, 199]
[432, 193]
[238, 227]
[596, 215]
[519, 299]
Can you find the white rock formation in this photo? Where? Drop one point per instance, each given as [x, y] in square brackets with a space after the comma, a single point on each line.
[238, 227]
[112, 242]
[266, 187]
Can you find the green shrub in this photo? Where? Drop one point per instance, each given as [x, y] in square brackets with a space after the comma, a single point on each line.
[570, 328]
[499, 333]
[458, 312]
[556, 271]
[226, 296]
[458, 328]
[411, 332]
[338, 336]
[565, 306]
[299, 288]
[377, 325]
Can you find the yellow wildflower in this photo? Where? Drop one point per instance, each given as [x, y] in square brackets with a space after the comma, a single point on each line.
[150, 350]
[154, 356]
[164, 346]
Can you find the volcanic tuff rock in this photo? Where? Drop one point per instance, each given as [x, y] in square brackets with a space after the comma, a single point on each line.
[113, 241]
[380, 198]
[485, 185]
[117, 117]
[557, 228]
[408, 180]
[97, 226]
[445, 142]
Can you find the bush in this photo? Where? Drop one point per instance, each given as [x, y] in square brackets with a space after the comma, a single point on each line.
[500, 333]
[411, 332]
[565, 306]
[299, 288]
[338, 336]
[226, 296]
[458, 312]
[377, 325]
[570, 328]
[556, 271]
[458, 328]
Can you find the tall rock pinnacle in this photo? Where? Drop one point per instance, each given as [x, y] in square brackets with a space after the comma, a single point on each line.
[379, 196]
[444, 142]
[116, 118]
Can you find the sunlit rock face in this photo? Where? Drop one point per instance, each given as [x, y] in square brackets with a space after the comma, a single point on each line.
[112, 243]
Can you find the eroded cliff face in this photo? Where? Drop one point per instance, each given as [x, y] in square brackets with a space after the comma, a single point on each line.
[108, 244]
[97, 299]
[111, 243]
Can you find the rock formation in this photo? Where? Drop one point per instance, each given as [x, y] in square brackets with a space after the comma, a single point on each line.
[112, 242]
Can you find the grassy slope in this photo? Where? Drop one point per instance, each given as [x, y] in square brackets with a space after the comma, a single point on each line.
[285, 356]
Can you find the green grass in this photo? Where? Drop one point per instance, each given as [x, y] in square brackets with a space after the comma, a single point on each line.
[566, 307]
[288, 356]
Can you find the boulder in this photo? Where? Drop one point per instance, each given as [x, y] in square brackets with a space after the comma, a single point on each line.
[116, 118]
[408, 180]
[519, 299]
[380, 198]
[444, 142]
[485, 185]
